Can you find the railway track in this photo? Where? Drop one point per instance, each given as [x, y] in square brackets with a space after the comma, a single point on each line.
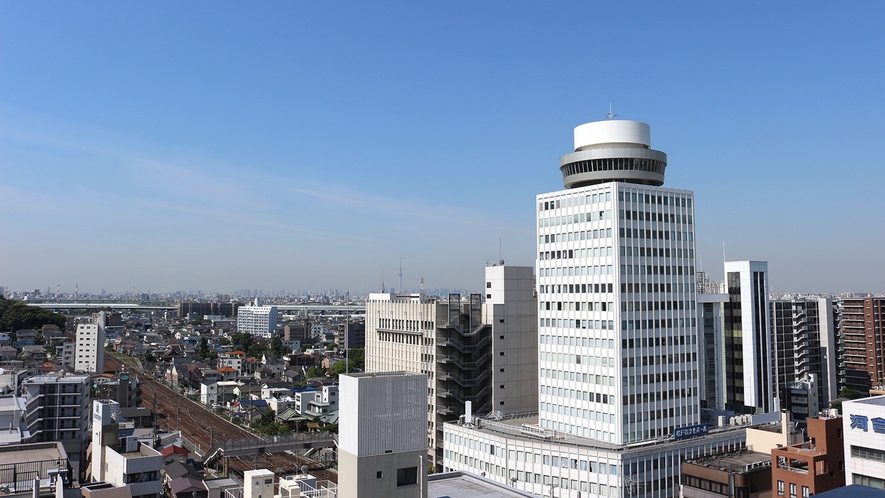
[203, 428]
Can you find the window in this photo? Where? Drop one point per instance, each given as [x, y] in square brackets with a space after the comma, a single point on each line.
[792, 490]
[406, 476]
[805, 492]
[378, 475]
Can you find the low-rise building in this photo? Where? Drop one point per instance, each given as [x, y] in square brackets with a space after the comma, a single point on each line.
[740, 474]
[814, 466]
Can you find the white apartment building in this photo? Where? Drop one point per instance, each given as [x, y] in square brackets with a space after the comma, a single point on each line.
[260, 321]
[122, 461]
[618, 337]
[89, 349]
[863, 424]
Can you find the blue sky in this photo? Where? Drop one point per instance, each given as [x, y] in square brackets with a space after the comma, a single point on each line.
[312, 145]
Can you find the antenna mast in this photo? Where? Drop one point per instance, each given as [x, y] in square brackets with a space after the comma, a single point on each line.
[401, 275]
[610, 115]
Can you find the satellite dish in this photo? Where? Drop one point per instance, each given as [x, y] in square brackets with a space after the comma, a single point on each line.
[501, 263]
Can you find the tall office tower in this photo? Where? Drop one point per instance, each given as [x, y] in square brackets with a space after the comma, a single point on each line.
[616, 292]
[464, 356]
[618, 352]
[711, 310]
[863, 343]
[260, 321]
[381, 443]
[804, 342]
[89, 348]
[747, 339]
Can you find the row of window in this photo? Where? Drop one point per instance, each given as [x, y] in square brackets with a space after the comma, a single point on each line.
[637, 399]
[576, 289]
[576, 271]
[578, 324]
[411, 339]
[613, 164]
[632, 288]
[656, 270]
[595, 252]
[602, 233]
[639, 197]
[780, 490]
[568, 219]
[577, 305]
[413, 325]
[684, 219]
[587, 342]
[584, 413]
[876, 455]
[654, 252]
[575, 201]
[577, 430]
[644, 233]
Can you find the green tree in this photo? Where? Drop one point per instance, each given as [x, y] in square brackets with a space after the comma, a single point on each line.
[849, 393]
[16, 315]
[338, 368]
[277, 348]
[203, 353]
[356, 359]
[242, 341]
[315, 372]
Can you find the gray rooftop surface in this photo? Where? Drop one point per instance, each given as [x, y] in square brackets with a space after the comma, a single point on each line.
[467, 485]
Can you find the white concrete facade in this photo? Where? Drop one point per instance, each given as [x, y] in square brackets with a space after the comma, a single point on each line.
[863, 424]
[511, 309]
[504, 452]
[260, 321]
[747, 322]
[617, 311]
[89, 349]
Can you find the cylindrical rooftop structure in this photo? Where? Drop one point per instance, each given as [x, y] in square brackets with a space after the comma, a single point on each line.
[613, 151]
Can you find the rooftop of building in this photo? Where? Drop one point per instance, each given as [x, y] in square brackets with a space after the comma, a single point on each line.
[853, 491]
[32, 452]
[526, 428]
[873, 400]
[467, 485]
[45, 379]
[742, 461]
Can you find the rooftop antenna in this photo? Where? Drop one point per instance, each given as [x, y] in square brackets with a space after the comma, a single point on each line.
[422, 290]
[382, 281]
[500, 250]
[610, 115]
[400, 274]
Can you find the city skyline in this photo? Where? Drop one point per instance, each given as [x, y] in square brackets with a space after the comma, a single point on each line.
[290, 146]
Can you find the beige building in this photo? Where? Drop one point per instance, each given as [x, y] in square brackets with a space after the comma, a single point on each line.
[482, 349]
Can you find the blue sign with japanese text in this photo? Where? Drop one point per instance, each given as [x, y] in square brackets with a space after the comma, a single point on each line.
[690, 431]
[862, 422]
